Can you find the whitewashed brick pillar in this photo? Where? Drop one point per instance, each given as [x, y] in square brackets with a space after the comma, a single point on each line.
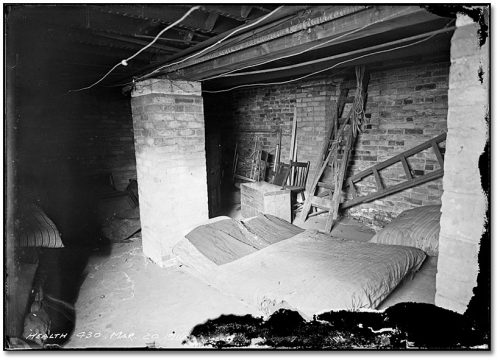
[169, 136]
[463, 201]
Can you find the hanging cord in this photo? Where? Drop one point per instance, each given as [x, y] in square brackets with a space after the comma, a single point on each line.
[215, 44]
[124, 62]
[358, 108]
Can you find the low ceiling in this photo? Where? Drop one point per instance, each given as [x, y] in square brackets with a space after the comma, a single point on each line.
[72, 46]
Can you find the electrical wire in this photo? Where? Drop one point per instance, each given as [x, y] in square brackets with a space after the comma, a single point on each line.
[137, 79]
[308, 49]
[211, 46]
[349, 53]
[271, 60]
[319, 71]
[124, 62]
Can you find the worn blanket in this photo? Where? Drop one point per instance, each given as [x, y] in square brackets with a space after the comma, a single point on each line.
[314, 272]
[311, 272]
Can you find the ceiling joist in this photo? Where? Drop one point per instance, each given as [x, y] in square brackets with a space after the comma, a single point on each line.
[286, 43]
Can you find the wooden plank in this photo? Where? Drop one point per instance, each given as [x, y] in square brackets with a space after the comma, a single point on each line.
[159, 13]
[438, 154]
[397, 158]
[294, 135]
[310, 65]
[406, 168]
[241, 177]
[132, 40]
[378, 180]
[326, 185]
[393, 189]
[333, 213]
[286, 13]
[245, 11]
[322, 203]
[281, 37]
[352, 189]
[251, 53]
[316, 213]
[293, 144]
[210, 21]
[334, 133]
[278, 204]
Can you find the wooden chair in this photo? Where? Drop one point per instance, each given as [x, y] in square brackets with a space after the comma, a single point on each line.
[281, 175]
[297, 177]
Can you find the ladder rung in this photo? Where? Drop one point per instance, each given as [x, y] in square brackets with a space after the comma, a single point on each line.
[322, 203]
[438, 154]
[378, 180]
[326, 185]
[406, 167]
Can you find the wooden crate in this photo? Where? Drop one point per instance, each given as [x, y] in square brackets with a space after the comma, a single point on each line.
[264, 198]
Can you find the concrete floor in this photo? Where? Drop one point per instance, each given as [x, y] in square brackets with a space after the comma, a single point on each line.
[127, 301]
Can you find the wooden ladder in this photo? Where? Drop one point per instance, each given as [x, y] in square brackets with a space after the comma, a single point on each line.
[410, 181]
[339, 143]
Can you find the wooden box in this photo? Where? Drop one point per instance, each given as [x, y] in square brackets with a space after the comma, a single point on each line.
[262, 197]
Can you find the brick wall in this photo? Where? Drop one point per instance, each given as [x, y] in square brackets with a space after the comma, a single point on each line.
[406, 106]
[169, 137]
[464, 203]
[88, 131]
[257, 115]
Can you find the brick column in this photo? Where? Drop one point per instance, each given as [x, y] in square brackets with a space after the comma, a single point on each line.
[170, 154]
[463, 201]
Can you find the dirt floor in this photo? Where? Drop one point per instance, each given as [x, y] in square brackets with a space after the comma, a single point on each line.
[128, 301]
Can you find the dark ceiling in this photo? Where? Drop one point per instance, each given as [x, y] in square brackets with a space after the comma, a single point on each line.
[76, 44]
[67, 46]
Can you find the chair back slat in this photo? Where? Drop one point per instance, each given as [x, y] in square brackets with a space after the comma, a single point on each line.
[300, 170]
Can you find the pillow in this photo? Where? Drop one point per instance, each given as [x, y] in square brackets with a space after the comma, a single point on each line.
[37, 230]
[417, 227]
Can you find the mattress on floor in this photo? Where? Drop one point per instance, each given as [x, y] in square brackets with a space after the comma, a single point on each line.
[311, 272]
[222, 240]
[271, 229]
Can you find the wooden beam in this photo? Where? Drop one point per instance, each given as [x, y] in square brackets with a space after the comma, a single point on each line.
[283, 43]
[345, 54]
[437, 49]
[261, 8]
[235, 12]
[271, 21]
[132, 40]
[166, 14]
[210, 21]
[302, 23]
[245, 11]
[186, 40]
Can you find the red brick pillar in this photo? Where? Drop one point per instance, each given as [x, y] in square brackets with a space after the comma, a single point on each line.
[169, 135]
[463, 201]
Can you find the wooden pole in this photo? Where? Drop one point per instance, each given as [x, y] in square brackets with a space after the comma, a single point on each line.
[293, 143]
